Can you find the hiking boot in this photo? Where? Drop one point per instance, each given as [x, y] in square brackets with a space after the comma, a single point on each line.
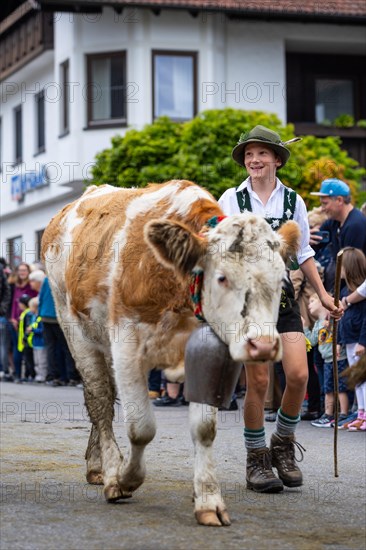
[283, 458]
[260, 476]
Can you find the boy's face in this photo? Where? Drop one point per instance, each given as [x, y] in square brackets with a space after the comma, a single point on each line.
[261, 162]
[22, 306]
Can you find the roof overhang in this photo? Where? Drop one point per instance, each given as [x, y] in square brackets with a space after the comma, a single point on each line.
[293, 11]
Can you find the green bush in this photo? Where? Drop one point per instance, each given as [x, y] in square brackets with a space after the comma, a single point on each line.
[200, 150]
[344, 121]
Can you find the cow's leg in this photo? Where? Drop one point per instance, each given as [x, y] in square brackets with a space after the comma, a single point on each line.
[139, 417]
[100, 393]
[93, 458]
[209, 506]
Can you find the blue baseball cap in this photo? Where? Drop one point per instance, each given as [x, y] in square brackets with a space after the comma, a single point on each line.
[333, 188]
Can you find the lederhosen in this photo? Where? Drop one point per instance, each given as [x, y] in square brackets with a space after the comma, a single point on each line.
[289, 318]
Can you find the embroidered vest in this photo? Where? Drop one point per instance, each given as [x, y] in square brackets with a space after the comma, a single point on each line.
[289, 203]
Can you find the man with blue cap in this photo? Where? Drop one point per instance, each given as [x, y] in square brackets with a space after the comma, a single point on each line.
[346, 224]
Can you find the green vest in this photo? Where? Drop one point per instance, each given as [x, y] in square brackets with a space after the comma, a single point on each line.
[289, 203]
[31, 334]
[21, 330]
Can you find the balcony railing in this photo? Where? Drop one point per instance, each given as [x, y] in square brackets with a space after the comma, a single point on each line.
[24, 41]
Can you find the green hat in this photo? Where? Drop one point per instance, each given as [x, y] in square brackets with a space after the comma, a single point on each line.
[263, 135]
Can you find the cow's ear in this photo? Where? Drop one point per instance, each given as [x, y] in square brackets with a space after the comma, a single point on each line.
[289, 234]
[174, 244]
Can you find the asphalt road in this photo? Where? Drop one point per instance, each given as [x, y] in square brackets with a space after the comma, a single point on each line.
[46, 503]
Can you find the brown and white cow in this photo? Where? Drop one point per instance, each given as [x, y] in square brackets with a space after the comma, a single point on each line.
[119, 264]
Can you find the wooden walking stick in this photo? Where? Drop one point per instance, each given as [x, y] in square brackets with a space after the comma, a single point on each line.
[337, 286]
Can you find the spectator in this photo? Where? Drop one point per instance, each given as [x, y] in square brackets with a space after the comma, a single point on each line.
[24, 346]
[36, 341]
[19, 287]
[36, 279]
[346, 224]
[173, 396]
[58, 353]
[154, 383]
[322, 335]
[357, 296]
[5, 298]
[352, 329]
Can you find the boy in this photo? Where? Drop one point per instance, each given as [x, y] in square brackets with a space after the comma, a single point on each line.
[23, 344]
[36, 341]
[323, 336]
[262, 152]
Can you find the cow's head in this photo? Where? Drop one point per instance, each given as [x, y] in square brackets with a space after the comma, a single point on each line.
[243, 262]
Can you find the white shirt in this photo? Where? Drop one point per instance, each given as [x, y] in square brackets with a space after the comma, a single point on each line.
[362, 289]
[273, 209]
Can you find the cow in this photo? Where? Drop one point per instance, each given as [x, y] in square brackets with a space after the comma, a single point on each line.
[119, 262]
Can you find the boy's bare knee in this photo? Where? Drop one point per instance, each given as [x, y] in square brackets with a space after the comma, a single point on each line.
[297, 379]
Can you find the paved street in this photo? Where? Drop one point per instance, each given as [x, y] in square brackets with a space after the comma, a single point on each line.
[46, 503]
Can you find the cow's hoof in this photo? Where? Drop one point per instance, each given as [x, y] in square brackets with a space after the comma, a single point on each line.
[94, 478]
[113, 493]
[212, 519]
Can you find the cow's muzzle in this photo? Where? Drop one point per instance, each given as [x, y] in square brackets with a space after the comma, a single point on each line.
[263, 348]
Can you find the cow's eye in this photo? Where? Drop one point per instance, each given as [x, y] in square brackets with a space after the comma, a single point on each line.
[221, 279]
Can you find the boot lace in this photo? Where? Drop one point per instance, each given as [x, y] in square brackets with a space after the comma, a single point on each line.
[262, 461]
[285, 450]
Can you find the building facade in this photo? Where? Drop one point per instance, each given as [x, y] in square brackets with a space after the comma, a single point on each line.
[74, 74]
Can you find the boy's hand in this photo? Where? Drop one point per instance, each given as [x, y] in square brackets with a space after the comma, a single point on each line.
[328, 303]
[338, 350]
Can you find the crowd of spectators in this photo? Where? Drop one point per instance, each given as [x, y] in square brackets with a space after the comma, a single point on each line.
[32, 345]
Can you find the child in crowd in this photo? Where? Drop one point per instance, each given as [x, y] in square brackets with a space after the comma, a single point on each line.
[322, 336]
[352, 328]
[36, 341]
[25, 321]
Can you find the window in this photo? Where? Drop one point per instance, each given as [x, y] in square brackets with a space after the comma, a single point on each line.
[174, 84]
[39, 235]
[333, 97]
[106, 89]
[18, 134]
[1, 143]
[40, 123]
[322, 87]
[14, 251]
[65, 98]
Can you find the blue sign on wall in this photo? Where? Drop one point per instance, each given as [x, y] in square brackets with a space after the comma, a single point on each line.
[21, 184]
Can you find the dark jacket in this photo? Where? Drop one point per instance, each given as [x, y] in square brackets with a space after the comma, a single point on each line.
[352, 326]
[352, 232]
[5, 294]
